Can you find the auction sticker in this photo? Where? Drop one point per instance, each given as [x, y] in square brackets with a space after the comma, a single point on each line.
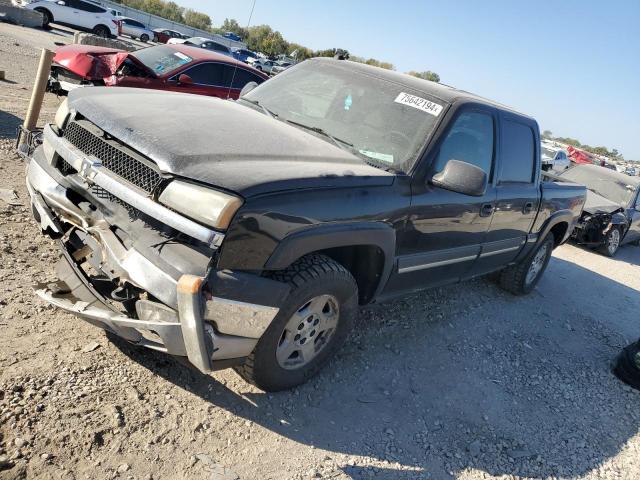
[419, 103]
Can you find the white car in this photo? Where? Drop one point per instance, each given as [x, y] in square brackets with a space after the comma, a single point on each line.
[263, 64]
[135, 29]
[554, 159]
[77, 14]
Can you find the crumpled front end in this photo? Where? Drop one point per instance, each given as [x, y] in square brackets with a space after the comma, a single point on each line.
[592, 228]
[136, 268]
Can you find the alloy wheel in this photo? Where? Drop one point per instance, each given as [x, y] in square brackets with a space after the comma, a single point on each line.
[613, 241]
[308, 332]
[536, 264]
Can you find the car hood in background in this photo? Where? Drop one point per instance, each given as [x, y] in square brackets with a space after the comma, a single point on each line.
[598, 204]
[89, 61]
[222, 143]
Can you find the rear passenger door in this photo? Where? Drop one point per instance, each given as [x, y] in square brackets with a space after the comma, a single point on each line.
[517, 193]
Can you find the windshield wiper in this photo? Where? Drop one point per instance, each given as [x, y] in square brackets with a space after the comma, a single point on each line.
[339, 142]
[258, 104]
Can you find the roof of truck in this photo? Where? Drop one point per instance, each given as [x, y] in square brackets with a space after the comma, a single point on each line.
[443, 92]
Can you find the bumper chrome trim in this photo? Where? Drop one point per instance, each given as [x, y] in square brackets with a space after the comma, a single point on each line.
[91, 169]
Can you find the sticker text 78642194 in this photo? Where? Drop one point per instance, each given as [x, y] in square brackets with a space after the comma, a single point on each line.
[419, 103]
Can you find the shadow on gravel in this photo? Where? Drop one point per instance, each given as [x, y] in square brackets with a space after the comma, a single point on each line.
[8, 124]
[460, 378]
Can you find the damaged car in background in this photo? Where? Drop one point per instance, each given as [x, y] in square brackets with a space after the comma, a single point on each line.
[611, 215]
[355, 185]
[179, 68]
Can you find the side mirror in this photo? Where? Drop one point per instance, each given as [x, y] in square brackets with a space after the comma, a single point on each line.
[462, 177]
[247, 88]
[185, 79]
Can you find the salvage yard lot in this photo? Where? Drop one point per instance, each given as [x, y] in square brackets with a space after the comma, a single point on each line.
[462, 382]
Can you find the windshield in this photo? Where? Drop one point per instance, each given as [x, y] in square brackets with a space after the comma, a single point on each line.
[547, 154]
[383, 122]
[605, 183]
[161, 60]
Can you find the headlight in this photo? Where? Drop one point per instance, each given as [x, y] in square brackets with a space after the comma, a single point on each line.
[202, 204]
[62, 114]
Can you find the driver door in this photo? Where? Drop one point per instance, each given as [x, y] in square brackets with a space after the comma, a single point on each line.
[445, 230]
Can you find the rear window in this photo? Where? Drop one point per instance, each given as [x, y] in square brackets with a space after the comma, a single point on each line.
[161, 60]
[517, 153]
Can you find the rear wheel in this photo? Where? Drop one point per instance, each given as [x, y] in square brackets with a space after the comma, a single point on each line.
[311, 325]
[48, 17]
[102, 31]
[144, 38]
[611, 242]
[522, 278]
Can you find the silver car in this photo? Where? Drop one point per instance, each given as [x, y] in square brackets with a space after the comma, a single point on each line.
[135, 29]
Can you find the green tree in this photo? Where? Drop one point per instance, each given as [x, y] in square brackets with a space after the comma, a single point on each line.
[232, 25]
[273, 44]
[256, 35]
[427, 75]
[198, 20]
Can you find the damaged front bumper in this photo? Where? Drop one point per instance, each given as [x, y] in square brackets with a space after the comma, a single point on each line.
[134, 277]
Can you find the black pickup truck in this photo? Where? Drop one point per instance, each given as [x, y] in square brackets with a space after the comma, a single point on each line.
[245, 234]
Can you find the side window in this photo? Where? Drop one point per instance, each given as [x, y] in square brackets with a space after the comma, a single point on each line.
[469, 139]
[220, 48]
[89, 7]
[242, 77]
[137, 24]
[517, 153]
[211, 74]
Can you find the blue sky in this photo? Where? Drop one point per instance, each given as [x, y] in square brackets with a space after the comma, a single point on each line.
[573, 65]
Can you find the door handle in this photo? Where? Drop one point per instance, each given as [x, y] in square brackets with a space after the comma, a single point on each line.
[486, 210]
[528, 208]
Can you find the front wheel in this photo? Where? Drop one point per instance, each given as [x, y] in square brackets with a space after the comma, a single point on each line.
[102, 31]
[522, 278]
[144, 38]
[611, 242]
[312, 324]
[47, 18]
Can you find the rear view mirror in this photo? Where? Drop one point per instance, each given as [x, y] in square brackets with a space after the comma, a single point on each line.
[185, 79]
[247, 88]
[461, 177]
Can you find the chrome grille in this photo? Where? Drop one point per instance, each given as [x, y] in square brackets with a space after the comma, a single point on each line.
[113, 158]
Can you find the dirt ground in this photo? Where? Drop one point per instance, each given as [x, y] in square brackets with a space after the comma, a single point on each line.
[464, 382]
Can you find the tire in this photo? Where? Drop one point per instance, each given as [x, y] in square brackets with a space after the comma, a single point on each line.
[517, 279]
[144, 38]
[102, 31]
[611, 242]
[314, 279]
[259, 68]
[48, 18]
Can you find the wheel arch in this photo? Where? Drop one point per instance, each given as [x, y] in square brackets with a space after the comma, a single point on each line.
[559, 225]
[367, 250]
[45, 10]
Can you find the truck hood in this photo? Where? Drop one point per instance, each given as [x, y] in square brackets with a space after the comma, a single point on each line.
[222, 143]
[598, 204]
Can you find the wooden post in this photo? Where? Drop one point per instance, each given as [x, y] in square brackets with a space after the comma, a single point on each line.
[37, 94]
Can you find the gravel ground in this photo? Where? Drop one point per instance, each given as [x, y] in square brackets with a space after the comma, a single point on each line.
[463, 382]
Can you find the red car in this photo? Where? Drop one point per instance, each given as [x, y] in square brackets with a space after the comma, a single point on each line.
[178, 68]
[162, 35]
